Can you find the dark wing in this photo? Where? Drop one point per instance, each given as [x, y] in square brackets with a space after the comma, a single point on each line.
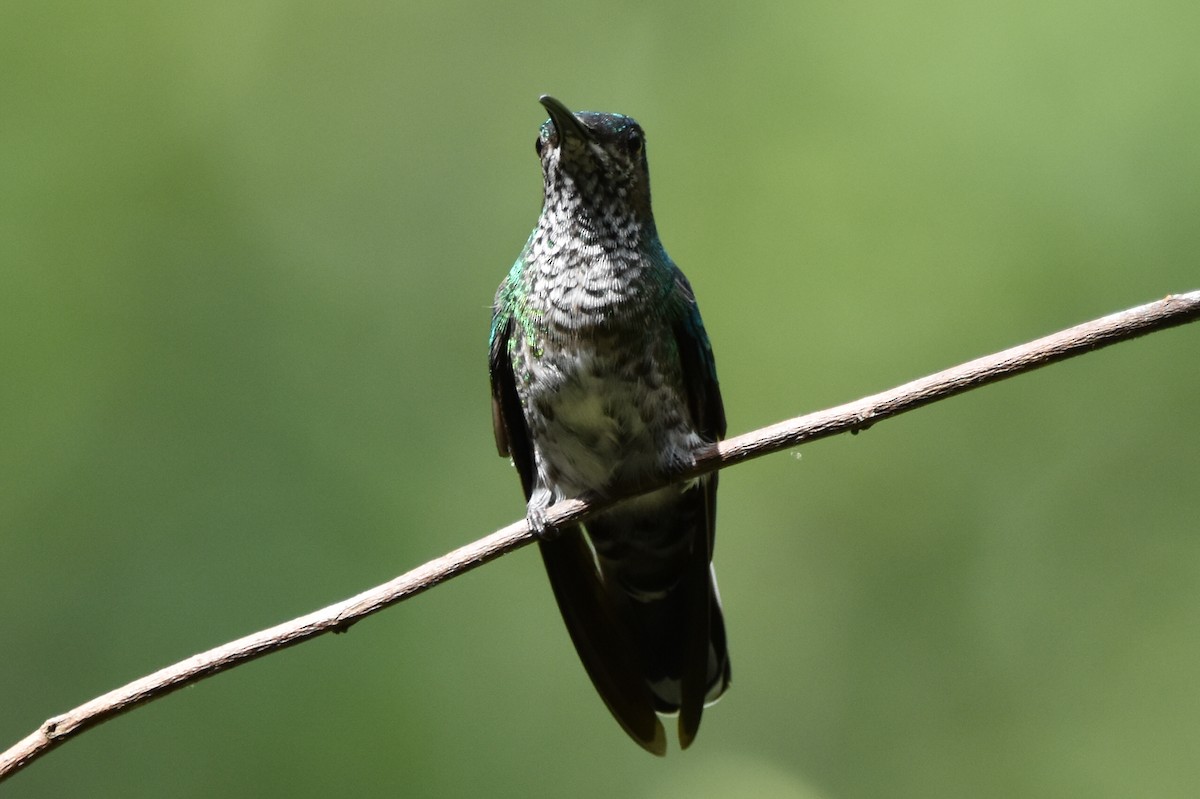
[603, 646]
[699, 369]
[708, 416]
[508, 420]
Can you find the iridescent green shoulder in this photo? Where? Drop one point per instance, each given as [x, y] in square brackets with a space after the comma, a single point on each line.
[512, 306]
[504, 306]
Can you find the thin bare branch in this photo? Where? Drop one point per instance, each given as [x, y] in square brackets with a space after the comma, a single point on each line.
[1169, 312]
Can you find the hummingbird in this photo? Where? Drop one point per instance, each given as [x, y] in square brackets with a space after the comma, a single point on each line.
[603, 380]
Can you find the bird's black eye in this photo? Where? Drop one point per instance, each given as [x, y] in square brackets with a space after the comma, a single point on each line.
[539, 145]
[635, 141]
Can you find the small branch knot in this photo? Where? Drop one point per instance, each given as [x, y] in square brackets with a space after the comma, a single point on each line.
[862, 421]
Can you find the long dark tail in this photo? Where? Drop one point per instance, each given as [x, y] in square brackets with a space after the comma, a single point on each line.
[664, 629]
[655, 561]
[601, 639]
[642, 609]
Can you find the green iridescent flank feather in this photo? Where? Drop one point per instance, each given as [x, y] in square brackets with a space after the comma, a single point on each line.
[511, 304]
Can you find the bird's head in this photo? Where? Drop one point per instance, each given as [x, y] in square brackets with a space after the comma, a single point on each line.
[594, 161]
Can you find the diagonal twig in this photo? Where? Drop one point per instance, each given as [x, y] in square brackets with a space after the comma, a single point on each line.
[854, 416]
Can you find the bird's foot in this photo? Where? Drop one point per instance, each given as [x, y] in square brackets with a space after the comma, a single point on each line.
[540, 526]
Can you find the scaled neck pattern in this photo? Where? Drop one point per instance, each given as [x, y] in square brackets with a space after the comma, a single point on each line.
[594, 260]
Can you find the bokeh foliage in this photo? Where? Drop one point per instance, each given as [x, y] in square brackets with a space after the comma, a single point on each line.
[246, 256]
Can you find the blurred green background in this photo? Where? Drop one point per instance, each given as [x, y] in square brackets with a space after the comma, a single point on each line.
[247, 253]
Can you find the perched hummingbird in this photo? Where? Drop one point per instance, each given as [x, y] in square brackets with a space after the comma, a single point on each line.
[603, 380]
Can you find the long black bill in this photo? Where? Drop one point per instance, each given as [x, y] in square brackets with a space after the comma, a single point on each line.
[565, 123]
